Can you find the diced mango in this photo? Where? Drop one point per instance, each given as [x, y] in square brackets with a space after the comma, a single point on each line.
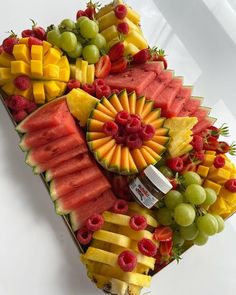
[203, 171]
[228, 165]
[28, 93]
[51, 71]
[46, 47]
[64, 75]
[210, 153]
[9, 88]
[208, 160]
[37, 52]
[110, 33]
[5, 60]
[5, 75]
[220, 207]
[228, 196]
[63, 62]
[36, 68]
[52, 57]
[210, 184]
[52, 90]
[20, 68]
[23, 40]
[21, 52]
[137, 39]
[220, 176]
[90, 74]
[62, 86]
[38, 92]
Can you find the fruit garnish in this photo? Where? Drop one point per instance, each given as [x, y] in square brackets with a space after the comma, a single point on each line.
[120, 137]
[120, 207]
[231, 185]
[197, 157]
[133, 125]
[141, 57]
[115, 91]
[197, 143]
[224, 147]
[138, 222]
[219, 162]
[110, 128]
[17, 102]
[34, 41]
[120, 11]
[121, 188]
[39, 32]
[147, 132]
[32, 106]
[147, 247]
[165, 248]
[175, 164]
[71, 84]
[27, 33]
[9, 43]
[119, 65]
[103, 90]
[80, 13]
[90, 11]
[94, 222]
[127, 261]
[19, 116]
[174, 182]
[123, 28]
[89, 88]
[161, 57]
[117, 51]
[216, 132]
[122, 117]
[133, 141]
[210, 143]
[84, 236]
[99, 82]
[103, 67]
[163, 234]
[22, 82]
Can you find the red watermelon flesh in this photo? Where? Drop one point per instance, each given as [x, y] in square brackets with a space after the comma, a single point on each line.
[77, 163]
[201, 126]
[190, 107]
[181, 98]
[201, 113]
[156, 86]
[167, 96]
[103, 203]
[49, 115]
[154, 66]
[54, 162]
[43, 136]
[55, 148]
[66, 184]
[81, 195]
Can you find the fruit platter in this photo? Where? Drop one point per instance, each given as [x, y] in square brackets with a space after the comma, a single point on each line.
[133, 162]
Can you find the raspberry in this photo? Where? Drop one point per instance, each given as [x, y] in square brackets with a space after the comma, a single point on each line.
[89, 88]
[135, 116]
[120, 137]
[110, 128]
[22, 82]
[231, 185]
[84, 236]
[176, 164]
[197, 143]
[94, 222]
[219, 162]
[115, 91]
[120, 11]
[163, 234]
[127, 261]
[133, 125]
[80, 13]
[19, 116]
[32, 106]
[71, 84]
[133, 141]
[103, 90]
[120, 207]
[197, 157]
[138, 222]
[8, 44]
[27, 33]
[147, 132]
[17, 102]
[147, 247]
[122, 117]
[123, 28]
[34, 41]
[99, 82]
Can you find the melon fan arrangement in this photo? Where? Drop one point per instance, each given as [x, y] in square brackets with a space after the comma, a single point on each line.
[131, 158]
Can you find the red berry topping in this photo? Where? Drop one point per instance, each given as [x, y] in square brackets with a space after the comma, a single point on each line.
[163, 234]
[122, 117]
[120, 207]
[110, 128]
[231, 185]
[95, 222]
[22, 82]
[135, 116]
[138, 222]
[133, 125]
[115, 91]
[32, 106]
[103, 90]
[19, 115]
[123, 28]
[84, 236]
[219, 162]
[8, 44]
[211, 144]
[120, 11]
[142, 56]
[89, 88]
[117, 51]
[197, 143]
[120, 137]
[176, 164]
[127, 261]
[147, 132]
[27, 33]
[224, 147]
[80, 13]
[71, 84]
[133, 141]
[165, 248]
[34, 41]
[90, 12]
[99, 82]
[147, 247]
[17, 102]
[197, 157]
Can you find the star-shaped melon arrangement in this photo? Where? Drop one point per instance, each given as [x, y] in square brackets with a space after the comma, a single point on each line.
[126, 133]
[45, 65]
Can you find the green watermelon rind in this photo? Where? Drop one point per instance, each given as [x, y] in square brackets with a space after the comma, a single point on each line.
[73, 221]
[59, 209]
[53, 191]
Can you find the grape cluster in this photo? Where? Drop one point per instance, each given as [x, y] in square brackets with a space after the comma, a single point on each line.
[185, 210]
[80, 38]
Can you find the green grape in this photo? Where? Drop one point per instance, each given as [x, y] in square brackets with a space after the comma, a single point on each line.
[210, 197]
[99, 41]
[91, 54]
[166, 171]
[221, 223]
[207, 224]
[54, 37]
[184, 214]
[172, 199]
[88, 29]
[195, 194]
[68, 41]
[164, 216]
[79, 21]
[201, 239]
[81, 40]
[189, 233]
[67, 24]
[177, 239]
[191, 177]
[77, 52]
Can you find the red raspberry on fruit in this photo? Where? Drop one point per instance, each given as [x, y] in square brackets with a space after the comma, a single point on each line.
[110, 128]
[133, 125]
[127, 261]
[219, 162]
[147, 247]
[103, 90]
[99, 82]
[138, 222]
[163, 234]
[8, 43]
[17, 102]
[71, 84]
[231, 185]
[123, 28]
[22, 82]
[197, 143]
[147, 132]
[95, 222]
[89, 88]
[80, 13]
[32, 106]
[122, 117]
[120, 207]
[120, 137]
[19, 116]
[120, 11]
[133, 141]
[176, 164]
[84, 236]
[136, 116]
[197, 157]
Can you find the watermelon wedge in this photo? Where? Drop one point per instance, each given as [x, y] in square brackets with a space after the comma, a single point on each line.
[153, 66]
[99, 205]
[201, 113]
[66, 184]
[81, 195]
[203, 124]
[190, 106]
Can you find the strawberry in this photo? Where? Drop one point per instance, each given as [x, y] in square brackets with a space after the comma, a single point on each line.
[224, 147]
[197, 143]
[165, 248]
[211, 143]
[216, 132]
[19, 116]
[9, 42]
[119, 66]
[117, 51]
[120, 11]
[161, 57]
[174, 182]
[163, 234]
[103, 67]
[123, 28]
[189, 167]
[34, 41]
[142, 56]
[39, 32]
[27, 33]
[80, 13]
[197, 157]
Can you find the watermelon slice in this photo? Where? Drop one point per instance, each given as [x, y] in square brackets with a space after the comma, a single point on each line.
[99, 205]
[191, 106]
[153, 66]
[77, 163]
[203, 124]
[49, 115]
[66, 184]
[81, 195]
[201, 113]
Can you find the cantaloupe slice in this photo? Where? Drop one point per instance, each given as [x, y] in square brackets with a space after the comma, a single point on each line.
[132, 102]
[150, 160]
[95, 144]
[139, 159]
[95, 135]
[107, 158]
[150, 117]
[124, 100]
[95, 125]
[163, 140]
[103, 150]
[124, 159]
[100, 116]
[105, 102]
[139, 105]
[132, 166]
[114, 100]
[147, 108]
[162, 131]
[105, 110]
[157, 123]
[116, 158]
[155, 146]
[152, 152]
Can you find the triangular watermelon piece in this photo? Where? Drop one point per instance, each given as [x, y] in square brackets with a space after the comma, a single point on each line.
[190, 106]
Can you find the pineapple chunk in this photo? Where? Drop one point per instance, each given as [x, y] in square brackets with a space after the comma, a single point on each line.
[90, 74]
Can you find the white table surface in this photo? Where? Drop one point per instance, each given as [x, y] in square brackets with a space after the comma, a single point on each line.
[37, 255]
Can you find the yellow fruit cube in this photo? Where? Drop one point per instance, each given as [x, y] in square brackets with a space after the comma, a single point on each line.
[21, 52]
[62, 86]
[64, 75]
[5, 59]
[84, 67]
[36, 68]
[52, 57]
[51, 71]
[78, 69]
[46, 47]
[37, 52]
[5, 75]
[130, 49]
[137, 39]
[20, 68]
[63, 62]
[208, 160]
[72, 71]
[107, 20]
[23, 40]
[210, 184]
[9, 88]
[203, 171]
[110, 33]
[52, 90]
[133, 15]
[210, 153]
[38, 92]
[219, 175]
[233, 175]
[90, 74]
[228, 196]
[220, 207]
[28, 93]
